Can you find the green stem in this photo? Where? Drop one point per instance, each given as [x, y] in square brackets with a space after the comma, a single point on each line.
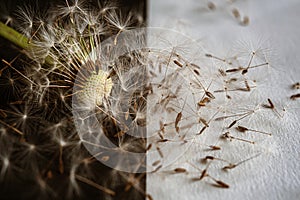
[13, 36]
[18, 39]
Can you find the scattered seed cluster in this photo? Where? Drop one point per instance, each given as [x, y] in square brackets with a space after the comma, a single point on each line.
[229, 6]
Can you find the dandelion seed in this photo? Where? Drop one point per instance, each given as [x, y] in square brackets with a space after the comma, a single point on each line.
[247, 85]
[244, 129]
[213, 147]
[157, 169]
[272, 106]
[209, 158]
[203, 121]
[222, 72]
[228, 136]
[236, 13]
[204, 101]
[148, 196]
[149, 147]
[202, 130]
[206, 92]
[159, 152]
[296, 86]
[209, 94]
[232, 124]
[259, 65]
[156, 163]
[234, 70]
[177, 120]
[295, 96]
[215, 57]
[179, 170]
[203, 174]
[214, 158]
[194, 65]
[160, 135]
[246, 21]
[221, 184]
[25, 19]
[161, 126]
[163, 140]
[118, 22]
[243, 115]
[196, 72]
[178, 63]
[231, 165]
[244, 71]
[211, 5]
[232, 80]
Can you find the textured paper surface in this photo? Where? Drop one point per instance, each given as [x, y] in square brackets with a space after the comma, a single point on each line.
[276, 173]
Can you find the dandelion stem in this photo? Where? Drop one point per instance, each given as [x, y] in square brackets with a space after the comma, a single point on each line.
[18, 39]
[13, 36]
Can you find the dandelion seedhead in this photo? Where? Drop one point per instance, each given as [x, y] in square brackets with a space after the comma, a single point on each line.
[97, 87]
[37, 127]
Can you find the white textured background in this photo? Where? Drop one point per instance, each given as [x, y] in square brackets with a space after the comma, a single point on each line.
[276, 174]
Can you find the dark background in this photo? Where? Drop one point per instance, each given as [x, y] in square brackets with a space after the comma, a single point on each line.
[21, 185]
